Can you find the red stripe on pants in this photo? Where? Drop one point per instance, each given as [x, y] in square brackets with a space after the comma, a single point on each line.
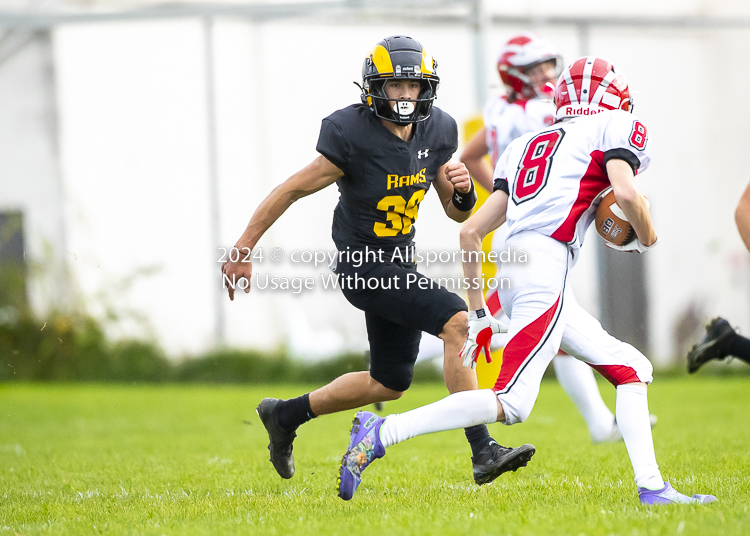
[520, 347]
[617, 374]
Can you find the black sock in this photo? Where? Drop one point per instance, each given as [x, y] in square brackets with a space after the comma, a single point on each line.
[478, 437]
[295, 411]
[739, 346]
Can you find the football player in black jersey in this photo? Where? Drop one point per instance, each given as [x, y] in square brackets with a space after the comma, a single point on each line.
[383, 155]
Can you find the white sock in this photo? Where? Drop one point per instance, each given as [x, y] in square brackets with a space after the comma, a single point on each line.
[578, 382]
[632, 418]
[459, 410]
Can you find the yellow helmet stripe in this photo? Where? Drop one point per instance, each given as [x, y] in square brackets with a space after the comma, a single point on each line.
[382, 59]
[426, 62]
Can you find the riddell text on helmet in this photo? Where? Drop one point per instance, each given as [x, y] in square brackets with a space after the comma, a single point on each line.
[571, 110]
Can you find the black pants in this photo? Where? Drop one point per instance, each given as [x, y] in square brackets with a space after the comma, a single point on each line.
[399, 304]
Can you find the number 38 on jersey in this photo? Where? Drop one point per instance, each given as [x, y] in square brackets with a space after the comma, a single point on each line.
[400, 214]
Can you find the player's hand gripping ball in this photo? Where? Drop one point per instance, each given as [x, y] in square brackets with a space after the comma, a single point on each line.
[611, 223]
[614, 227]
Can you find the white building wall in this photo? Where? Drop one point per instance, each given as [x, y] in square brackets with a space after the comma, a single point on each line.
[134, 164]
[133, 160]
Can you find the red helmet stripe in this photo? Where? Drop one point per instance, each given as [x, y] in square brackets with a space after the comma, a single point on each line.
[603, 85]
[590, 85]
[519, 40]
[585, 89]
[576, 75]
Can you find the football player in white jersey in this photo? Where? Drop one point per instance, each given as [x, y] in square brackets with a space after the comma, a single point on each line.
[529, 66]
[547, 186]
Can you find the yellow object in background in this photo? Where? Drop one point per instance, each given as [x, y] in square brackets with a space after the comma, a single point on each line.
[486, 372]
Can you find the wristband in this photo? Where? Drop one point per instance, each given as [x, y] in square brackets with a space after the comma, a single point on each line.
[465, 202]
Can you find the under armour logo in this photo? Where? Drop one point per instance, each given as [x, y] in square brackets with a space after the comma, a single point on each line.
[424, 153]
[458, 198]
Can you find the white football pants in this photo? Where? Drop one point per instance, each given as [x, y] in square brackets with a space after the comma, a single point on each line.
[575, 377]
[544, 319]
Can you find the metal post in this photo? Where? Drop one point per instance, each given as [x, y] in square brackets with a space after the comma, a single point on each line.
[478, 30]
[584, 35]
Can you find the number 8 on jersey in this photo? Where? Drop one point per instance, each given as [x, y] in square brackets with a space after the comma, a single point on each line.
[535, 165]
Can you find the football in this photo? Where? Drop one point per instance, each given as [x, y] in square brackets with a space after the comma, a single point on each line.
[611, 222]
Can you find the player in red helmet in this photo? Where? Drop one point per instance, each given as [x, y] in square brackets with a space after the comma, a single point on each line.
[529, 66]
[526, 63]
[547, 187]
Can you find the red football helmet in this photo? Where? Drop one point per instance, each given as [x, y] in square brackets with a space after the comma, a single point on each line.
[518, 55]
[591, 85]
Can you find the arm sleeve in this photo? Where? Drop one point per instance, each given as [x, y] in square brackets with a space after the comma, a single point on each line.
[623, 154]
[502, 185]
[333, 145]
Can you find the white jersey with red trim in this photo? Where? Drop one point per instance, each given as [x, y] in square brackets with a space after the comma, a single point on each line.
[555, 175]
[504, 121]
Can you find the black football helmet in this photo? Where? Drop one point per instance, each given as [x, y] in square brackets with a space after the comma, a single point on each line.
[401, 58]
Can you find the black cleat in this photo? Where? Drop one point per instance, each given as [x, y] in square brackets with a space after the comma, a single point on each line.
[712, 345]
[494, 460]
[281, 440]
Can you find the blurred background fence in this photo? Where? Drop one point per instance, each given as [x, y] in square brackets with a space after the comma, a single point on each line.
[137, 138]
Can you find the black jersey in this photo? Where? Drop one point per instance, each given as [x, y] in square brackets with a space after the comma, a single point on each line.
[385, 178]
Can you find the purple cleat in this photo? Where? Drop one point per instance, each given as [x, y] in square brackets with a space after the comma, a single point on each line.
[669, 495]
[364, 448]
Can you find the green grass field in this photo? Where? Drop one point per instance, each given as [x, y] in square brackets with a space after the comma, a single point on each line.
[112, 459]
